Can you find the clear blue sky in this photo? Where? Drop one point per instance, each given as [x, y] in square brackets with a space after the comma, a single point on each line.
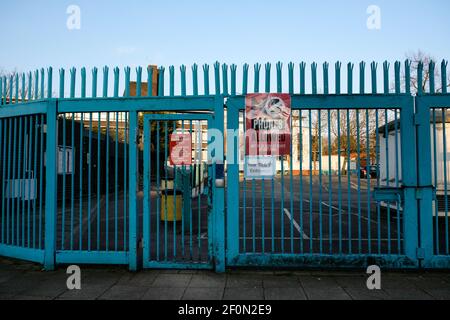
[138, 32]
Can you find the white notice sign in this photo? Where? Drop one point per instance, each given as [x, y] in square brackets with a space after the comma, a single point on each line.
[260, 167]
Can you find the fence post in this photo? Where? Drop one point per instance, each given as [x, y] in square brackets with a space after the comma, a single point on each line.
[51, 185]
[424, 182]
[133, 174]
[219, 192]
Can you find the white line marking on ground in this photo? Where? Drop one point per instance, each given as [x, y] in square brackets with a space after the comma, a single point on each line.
[304, 236]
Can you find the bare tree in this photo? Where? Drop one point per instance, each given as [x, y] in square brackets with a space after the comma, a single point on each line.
[420, 56]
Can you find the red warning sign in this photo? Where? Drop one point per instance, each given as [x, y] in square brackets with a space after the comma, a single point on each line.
[268, 124]
[180, 149]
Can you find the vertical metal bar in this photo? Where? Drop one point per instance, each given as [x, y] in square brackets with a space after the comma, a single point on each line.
[94, 82]
[51, 186]
[158, 188]
[339, 179]
[105, 81]
[172, 81]
[41, 178]
[49, 82]
[386, 66]
[311, 230]
[257, 69]
[10, 138]
[349, 203]
[302, 78]
[350, 67]
[133, 186]
[325, 78]
[386, 134]
[233, 69]
[42, 83]
[225, 79]
[64, 160]
[279, 77]
[435, 180]
[149, 81]
[19, 181]
[80, 213]
[314, 77]
[89, 181]
[397, 68]
[61, 83]
[319, 152]
[330, 185]
[358, 172]
[166, 140]
[369, 186]
[183, 80]
[72, 187]
[206, 79]
[397, 178]
[245, 79]
[36, 87]
[116, 186]
[291, 67]
[362, 77]
[444, 85]
[175, 198]
[99, 163]
[83, 83]
[431, 71]
[107, 226]
[12, 182]
[407, 77]
[444, 142]
[301, 157]
[377, 138]
[146, 240]
[195, 79]
[3, 159]
[73, 74]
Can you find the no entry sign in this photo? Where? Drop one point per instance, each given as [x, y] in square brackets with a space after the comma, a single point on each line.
[180, 149]
[268, 124]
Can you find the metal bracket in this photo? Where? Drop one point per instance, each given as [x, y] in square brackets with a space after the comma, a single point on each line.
[388, 194]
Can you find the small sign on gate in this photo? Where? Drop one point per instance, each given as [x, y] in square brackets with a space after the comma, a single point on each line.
[180, 149]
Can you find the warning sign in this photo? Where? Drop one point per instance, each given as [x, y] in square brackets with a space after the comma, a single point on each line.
[180, 149]
[268, 124]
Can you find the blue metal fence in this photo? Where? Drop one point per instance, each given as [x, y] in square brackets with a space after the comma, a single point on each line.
[365, 182]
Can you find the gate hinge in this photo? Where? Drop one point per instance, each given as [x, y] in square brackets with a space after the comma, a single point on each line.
[420, 253]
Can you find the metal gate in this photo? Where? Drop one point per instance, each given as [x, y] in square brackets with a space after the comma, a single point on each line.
[177, 215]
[88, 178]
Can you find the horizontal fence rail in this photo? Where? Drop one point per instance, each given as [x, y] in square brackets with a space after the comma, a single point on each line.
[330, 196]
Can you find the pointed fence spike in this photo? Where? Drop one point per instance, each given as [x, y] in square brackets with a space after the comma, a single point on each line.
[267, 68]
[245, 78]
[61, 83]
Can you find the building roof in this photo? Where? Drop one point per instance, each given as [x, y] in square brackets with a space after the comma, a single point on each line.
[435, 117]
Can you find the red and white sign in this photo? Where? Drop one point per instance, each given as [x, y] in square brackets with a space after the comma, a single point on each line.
[268, 124]
[180, 149]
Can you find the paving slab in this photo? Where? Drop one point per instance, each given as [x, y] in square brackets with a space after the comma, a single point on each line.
[334, 293]
[244, 281]
[284, 294]
[281, 282]
[244, 294]
[193, 293]
[164, 293]
[172, 281]
[208, 281]
[122, 292]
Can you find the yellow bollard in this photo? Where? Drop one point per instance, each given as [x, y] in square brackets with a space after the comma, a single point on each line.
[172, 202]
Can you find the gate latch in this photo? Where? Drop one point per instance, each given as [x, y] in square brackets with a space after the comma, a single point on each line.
[220, 175]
